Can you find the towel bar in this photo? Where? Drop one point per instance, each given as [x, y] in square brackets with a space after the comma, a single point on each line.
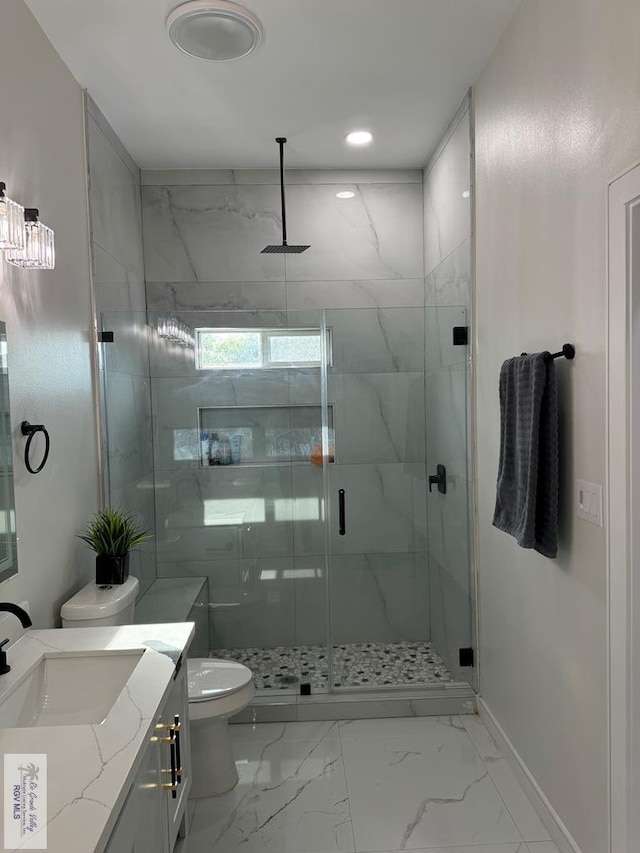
[568, 351]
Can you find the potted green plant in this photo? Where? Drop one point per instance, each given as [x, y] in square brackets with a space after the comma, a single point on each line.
[113, 534]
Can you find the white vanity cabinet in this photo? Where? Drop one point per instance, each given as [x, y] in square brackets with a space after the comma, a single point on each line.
[142, 826]
[176, 714]
[154, 812]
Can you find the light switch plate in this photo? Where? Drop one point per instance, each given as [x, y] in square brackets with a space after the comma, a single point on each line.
[589, 502]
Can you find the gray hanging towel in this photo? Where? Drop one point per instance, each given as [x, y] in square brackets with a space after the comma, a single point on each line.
[527, 492]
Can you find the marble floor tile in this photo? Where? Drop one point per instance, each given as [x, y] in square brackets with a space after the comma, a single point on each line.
[367, 785]
[264, 732]
[520, 808]
[515, 847]
[420, 786]
[291, 798]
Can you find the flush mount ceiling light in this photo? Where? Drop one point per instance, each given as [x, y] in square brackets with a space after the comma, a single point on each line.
[359, 137]
[215, 30]
[345, 194]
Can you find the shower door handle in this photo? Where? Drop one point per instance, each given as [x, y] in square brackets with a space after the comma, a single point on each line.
[341, 513]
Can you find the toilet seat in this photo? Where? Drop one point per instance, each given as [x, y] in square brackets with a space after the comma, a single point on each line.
[217, 688]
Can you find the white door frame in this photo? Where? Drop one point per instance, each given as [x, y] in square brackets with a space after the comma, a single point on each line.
[623, 466]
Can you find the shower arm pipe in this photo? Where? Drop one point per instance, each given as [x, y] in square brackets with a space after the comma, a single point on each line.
[281, 142]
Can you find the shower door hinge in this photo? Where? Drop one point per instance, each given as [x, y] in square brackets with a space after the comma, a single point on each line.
[460, 336]
[105, 337]
[466, 657]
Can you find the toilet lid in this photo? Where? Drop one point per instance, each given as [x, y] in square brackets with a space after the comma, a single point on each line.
[211, 678]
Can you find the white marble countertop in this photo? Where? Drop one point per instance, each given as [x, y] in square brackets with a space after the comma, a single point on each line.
[91, 767]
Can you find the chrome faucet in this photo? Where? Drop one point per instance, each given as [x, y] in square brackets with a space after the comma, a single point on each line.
[25, 621]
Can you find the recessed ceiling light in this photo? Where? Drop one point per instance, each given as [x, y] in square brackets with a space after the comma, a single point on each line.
[359, 137]
[215, 30]
[345, 194]
[466, 194]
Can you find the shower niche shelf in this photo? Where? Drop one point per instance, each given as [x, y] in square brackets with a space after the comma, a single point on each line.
[261, 436]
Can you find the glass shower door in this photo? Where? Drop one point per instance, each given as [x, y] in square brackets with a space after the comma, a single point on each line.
[239, 485]
[386, 608]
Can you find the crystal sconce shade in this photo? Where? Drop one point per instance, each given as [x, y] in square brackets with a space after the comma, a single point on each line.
[39, 249]
[12, 234]
[176, 332]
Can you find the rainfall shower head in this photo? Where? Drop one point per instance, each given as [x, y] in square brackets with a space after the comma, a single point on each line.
[283, 248]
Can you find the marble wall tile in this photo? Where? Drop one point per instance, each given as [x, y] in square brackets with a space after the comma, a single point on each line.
[310, 575]
[116, 214]
[449, 529]
[265, 616]
[391, 405]
[376, 235]
[224, 295]
[446, 418]
[451, 627]
[128, 419]
[221, 177]
[447, 213]
[137, 496]
[383, 340]
[384, 293]
[382, 598]
[385, 508]
[212, 233]
[439, 349]
[129, 352]
[308, 510]
[116, 287]
[179, 543]
[452, 278]
[223, 576]
[221, 508]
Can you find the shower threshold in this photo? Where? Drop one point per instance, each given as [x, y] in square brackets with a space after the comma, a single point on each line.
[436, 700]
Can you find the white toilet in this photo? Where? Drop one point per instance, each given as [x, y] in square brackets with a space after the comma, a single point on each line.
[218, 689]
[101, 606]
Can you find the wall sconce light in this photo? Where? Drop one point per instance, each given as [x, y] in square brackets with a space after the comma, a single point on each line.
[39, 248]
[12, 234]
[176, 332]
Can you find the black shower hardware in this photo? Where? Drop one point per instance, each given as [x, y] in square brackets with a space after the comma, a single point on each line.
[568, 351]
[283, 248]
[25, 621]
[31, 430]
[460, 336]
[341, 513]
[439, 479]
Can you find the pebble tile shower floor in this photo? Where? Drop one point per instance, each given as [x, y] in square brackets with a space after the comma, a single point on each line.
[354, 665]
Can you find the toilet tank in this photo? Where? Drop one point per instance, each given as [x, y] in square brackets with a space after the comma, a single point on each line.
[101, 606]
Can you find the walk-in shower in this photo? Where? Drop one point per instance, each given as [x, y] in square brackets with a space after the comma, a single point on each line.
[286, 424]
[290, 473]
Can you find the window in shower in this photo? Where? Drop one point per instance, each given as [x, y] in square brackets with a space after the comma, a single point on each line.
[258, 349]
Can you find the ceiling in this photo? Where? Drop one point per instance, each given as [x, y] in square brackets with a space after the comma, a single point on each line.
[325, 67]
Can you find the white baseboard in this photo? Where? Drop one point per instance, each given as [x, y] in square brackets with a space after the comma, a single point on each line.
[549, 816]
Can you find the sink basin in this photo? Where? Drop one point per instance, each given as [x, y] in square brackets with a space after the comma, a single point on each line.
[69, 689]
